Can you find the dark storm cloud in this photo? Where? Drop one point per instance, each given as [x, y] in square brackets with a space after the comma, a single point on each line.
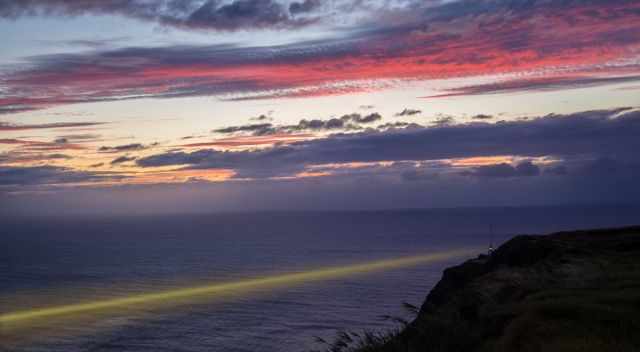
[586, 135]
[409, 112]
[44, 175]
[56, 156]
[240, 14]
[345, 122]
[122, 159]
[594, 160]
[321, 125]
[210, 14]
[444, 121]
[244, 14]
[259, 128]
[357, 118]
[122, 148]
[262, 117]
[304, 6]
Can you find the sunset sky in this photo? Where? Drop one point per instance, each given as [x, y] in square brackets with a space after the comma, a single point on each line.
[228, 105]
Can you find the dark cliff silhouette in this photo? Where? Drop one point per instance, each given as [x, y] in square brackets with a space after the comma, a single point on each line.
[568, 291]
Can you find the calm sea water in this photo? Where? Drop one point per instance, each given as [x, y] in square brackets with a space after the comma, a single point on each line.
[50, 261]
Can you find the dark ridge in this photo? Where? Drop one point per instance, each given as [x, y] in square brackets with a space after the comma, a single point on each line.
[567, 291]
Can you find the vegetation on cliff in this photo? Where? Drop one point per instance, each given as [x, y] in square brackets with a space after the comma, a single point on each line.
[569, 291]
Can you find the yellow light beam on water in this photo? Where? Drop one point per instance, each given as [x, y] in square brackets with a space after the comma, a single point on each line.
[226, 287]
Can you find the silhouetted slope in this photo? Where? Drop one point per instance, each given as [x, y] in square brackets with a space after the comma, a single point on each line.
[571, 291]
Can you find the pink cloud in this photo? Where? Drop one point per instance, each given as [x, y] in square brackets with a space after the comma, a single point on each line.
[546, 38]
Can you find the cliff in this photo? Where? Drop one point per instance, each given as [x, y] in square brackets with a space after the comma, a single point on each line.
[572, 291]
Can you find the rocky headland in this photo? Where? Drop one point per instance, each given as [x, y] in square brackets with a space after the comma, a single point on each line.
[568, 291]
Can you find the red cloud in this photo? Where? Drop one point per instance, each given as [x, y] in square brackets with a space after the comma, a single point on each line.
[536, 84]
[546, 37]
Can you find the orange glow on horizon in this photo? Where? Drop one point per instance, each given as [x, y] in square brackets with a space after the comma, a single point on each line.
[482, 161]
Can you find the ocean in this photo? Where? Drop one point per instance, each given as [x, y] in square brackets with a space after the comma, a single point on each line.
[49, 261]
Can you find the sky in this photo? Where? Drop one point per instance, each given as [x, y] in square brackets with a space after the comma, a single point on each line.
[167, 106]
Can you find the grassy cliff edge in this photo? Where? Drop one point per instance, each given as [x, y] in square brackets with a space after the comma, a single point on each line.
[568, 291]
